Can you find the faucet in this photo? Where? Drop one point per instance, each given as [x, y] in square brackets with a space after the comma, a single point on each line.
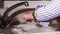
[4, 21]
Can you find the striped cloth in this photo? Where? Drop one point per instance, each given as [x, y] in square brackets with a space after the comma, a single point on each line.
[48, 12]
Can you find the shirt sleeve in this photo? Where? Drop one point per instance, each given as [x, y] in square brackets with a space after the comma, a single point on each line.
[48, 12]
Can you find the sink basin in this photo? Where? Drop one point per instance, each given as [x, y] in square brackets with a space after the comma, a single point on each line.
[26, 28]
[29, 27]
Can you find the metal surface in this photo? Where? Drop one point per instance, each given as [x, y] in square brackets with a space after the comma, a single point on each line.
[28, 27]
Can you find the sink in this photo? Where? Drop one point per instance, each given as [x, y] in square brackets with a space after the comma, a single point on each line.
[19, 26]
[29, 27]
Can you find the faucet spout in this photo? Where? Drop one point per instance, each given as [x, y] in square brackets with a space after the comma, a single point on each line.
[26, 4]
[5, 15]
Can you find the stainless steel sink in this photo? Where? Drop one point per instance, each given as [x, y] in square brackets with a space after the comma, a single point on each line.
[30, 27]
[18, 26]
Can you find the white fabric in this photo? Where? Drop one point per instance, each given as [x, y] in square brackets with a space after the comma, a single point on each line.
[45, 24]
[48, 12]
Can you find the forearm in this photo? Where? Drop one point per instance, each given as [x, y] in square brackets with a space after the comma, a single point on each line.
[48, 12]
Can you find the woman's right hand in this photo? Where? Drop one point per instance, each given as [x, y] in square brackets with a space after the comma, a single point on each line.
[28, 17]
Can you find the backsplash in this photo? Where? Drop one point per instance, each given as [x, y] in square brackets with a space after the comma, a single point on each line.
[32, 4]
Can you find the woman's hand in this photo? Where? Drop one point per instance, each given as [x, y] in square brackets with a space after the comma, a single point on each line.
[28, 17]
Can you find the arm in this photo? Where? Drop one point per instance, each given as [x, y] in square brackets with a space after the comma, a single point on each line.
[45, 13]
[48, 12]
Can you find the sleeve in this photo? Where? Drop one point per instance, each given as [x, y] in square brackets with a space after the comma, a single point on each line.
[48, 12]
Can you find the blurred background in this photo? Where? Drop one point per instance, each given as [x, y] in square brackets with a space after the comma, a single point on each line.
[29, 27]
